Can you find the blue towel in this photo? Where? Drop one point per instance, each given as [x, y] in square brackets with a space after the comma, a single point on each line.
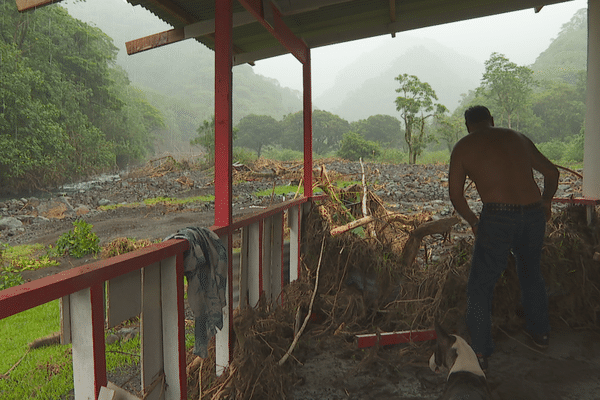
[205, 267]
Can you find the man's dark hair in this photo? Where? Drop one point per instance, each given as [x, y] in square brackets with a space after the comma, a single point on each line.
[477, 114]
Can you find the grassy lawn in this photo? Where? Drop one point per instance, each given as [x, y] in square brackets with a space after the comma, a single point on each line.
[46, 372]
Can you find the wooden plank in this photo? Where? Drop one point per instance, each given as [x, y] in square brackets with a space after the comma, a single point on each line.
[87, 335]
[294, 224]
[243, 272]
[277, 257]
[267, 248]
[223, 346]
[254, 263]
[173, 328]
[121, 394]
[151, 331]
[106, 394]
[388, 338]
[124, 298]
[154, 41]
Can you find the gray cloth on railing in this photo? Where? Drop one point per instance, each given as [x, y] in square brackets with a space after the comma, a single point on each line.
[205, 267]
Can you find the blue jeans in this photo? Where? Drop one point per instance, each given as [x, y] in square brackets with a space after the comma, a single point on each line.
[500, 231]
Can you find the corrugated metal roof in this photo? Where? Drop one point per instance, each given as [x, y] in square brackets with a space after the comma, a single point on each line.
[316, 22]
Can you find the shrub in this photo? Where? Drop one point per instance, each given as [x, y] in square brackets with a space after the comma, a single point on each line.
[353, 146]
[78, 242]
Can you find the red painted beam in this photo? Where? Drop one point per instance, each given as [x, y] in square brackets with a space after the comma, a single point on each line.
[388, 338]
[279, 29]
[223, 111]
[307, 118]
[99, 347]
[588, 201]
[40, 291]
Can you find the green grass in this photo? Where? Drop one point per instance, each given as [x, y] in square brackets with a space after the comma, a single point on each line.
[46, 372]
[162, 200]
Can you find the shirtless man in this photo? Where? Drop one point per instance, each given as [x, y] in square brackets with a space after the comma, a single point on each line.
[501, 162]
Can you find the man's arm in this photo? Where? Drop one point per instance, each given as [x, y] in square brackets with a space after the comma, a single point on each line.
[456, 184]
[551, 174]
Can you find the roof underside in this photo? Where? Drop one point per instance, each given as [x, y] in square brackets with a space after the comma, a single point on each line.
[324, 22]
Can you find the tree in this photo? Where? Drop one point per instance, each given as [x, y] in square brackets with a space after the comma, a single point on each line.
[206, 138]
[327, 131]
[353, 146]
[561, 111]
[257, 131]
[416, 105]
[450, 128]
[509, 86]
[379, 128]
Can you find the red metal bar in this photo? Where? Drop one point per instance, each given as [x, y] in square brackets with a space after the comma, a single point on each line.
[261, 284]
[388, 338]
[279, 29]
[588, 201]
[223, 137]
[223, 111]
[307, 112]
[40, 291]
[99, 348]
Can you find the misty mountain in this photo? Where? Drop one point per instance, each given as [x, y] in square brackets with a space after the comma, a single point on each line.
[566, 55]
[184, 70]
[367, 87]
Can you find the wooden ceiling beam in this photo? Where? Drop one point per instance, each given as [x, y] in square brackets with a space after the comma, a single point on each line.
[273, 23]
[197, 29]
[25, 5]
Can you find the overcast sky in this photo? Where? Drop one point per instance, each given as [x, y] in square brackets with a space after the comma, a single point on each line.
[521, 36]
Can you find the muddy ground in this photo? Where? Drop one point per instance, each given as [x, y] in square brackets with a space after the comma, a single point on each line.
[331, 367]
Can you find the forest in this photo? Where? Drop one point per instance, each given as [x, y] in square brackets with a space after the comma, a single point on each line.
[68, 110]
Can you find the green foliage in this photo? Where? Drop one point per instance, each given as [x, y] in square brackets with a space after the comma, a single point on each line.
[282, 154]
[416, 105]
[450, 128]
[327, 131]
[15, 259]
[354, 147]
[564, 151]
[392, 156]
[206, 138]
[243, 156]
[66, 110]
[79, 241]
[509, 88]
[10, 278]
[383, 129]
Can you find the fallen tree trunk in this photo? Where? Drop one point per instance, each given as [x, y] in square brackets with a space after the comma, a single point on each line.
[411, 248]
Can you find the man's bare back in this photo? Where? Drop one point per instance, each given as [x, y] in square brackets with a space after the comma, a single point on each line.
[500, 162]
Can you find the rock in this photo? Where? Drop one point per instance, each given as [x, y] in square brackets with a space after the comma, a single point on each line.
[10, 223]
[104, 202]
[112, 338]
[81, 210]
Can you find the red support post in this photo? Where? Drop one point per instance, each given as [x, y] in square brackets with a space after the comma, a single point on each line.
[307, 110]
[223, 111]
[99, 347]
[223, 139]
